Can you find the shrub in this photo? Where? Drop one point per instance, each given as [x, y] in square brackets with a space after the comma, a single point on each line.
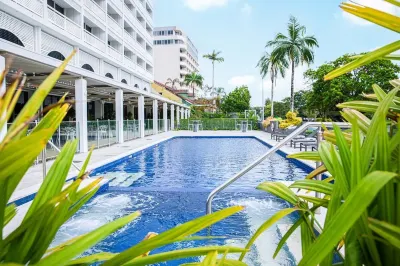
[291, 120]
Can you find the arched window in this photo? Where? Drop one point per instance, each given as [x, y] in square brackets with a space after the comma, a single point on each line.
[108, 75]
[56, 55]
[11, 37]
[124, 81]
[145, 88]
[88, 67]
[136, 86]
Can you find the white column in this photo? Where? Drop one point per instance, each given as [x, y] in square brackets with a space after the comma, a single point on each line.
[165, 116]
[182, 113]
[178, 115]
[3, 130]
[172, 117]
[155, 117]
[81, 113]
[141, 115]
[37, 33]
[119, 114]
[188, 113]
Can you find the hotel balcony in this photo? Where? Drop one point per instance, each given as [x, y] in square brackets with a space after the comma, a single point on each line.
[129, 12]
[96, 9]
[35, 6]
[129, 59]
[94, 41]
[114, 25]
[63, 22]
[114, 53]
[117, 3]
[114, 20]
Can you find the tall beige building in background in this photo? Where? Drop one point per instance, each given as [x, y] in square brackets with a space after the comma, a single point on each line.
[174, 55]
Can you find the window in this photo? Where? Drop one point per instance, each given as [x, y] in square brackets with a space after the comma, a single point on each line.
[58, 8]
[170, 32]
[87, 28]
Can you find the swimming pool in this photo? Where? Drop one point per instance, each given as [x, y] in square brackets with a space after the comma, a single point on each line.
[169, 184]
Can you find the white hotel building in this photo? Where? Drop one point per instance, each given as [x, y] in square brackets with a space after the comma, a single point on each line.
[175, 54]
[113, 66]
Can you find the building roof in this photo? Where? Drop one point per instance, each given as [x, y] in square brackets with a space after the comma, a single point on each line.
[176, 92]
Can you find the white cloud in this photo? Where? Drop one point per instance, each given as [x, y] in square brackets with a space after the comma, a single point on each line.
[246, 9]
[200, 5]
[241, 80]
[376, 4]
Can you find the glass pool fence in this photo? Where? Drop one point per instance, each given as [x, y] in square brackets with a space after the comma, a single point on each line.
[218, 124]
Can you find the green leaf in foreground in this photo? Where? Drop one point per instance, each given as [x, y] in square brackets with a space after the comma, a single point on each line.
[69, 252]
[276, 217]
[183, 253]
[356, 203]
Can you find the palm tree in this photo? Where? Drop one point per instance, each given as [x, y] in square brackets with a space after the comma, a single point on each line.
[172, 82]
[214, 58]
[296, 48]
[274, 66]
[193, 79]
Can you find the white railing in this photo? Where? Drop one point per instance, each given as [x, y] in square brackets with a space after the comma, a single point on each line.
[72, 28]
[94, 41]
[63, 22]
[129, 39]
[96, 9]
[128, 62]
[129, 13]
[35, 6]
[56, 18]
[114, 53]
[118, 3]
[114, 25]
[75, 4]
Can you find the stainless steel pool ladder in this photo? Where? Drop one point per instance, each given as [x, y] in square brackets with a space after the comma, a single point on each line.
[44, 166]
[245, 170]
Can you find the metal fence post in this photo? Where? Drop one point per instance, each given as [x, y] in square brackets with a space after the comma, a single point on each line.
[318, 164]
[98, 133]
[109, 132]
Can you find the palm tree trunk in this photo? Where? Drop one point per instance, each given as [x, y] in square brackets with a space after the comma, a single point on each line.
[272, 97]
[213, 75]
[292, 89]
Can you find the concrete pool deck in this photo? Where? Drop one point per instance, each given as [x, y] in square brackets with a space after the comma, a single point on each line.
[34, 177]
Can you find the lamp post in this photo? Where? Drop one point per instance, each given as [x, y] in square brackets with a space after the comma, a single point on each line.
[262, 99]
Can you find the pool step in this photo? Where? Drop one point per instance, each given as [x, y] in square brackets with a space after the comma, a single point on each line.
[122, 179]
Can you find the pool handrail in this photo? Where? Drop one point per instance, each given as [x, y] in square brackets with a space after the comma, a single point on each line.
[273, 149]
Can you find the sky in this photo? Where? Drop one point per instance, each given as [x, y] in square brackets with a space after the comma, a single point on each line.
[241, 28]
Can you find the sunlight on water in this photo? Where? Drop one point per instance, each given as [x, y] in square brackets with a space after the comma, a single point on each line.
[101, 210]
[257, 212]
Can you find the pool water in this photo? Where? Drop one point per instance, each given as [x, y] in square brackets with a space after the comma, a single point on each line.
[169, 183]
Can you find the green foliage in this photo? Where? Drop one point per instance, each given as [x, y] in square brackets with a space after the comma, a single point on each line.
[362, 204]
[295, 47]
[193, 79]
[325, 95]
[237, 101]
[291, 120]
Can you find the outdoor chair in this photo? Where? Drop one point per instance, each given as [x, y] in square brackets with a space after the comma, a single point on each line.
[304, 138]
[283, 134]
[306, 145]
[190, 125]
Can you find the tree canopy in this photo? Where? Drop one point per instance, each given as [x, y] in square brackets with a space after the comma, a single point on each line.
[325, 95]
[237, 101]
